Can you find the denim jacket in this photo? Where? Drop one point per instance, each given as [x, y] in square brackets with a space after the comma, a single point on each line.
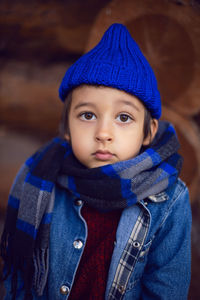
[151, 257]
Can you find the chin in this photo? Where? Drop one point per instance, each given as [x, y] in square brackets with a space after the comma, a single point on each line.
[98, 164]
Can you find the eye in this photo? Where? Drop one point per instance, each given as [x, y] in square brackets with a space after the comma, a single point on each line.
[124, 118]
[87, 116]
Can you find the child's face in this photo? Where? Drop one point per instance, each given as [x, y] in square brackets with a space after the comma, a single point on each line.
[105, 125]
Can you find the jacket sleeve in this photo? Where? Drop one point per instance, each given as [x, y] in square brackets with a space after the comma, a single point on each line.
[167, 273]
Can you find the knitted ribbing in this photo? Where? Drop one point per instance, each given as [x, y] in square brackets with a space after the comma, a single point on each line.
[116, 61]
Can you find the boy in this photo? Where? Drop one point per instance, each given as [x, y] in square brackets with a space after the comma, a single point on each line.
[100, 213]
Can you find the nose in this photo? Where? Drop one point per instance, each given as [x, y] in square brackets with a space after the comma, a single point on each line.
[104, 132]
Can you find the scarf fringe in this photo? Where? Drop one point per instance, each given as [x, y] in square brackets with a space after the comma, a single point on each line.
[41, 268]
[14, 279]
[15, 263]
[5, 254]
[34, 270]
[28, 272]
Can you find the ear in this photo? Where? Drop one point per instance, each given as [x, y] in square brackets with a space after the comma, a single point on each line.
[67, 136]
[152, 133]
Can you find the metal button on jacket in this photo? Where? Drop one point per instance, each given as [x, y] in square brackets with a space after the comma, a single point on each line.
[78, 244]
[78, 202]
[64, 289]
[136, 244]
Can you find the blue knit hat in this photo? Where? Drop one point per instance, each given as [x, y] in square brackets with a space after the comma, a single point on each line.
[116, 61]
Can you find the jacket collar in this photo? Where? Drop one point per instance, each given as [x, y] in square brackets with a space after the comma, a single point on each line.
[160, 197]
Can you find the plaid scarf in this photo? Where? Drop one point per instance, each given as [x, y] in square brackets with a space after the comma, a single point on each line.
[25, 240]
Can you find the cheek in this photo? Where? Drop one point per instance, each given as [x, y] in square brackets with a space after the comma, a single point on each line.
[76, 142]
[80, 145]
[133, 135]
[131, 143]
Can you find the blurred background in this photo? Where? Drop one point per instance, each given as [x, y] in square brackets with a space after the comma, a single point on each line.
[40, 39]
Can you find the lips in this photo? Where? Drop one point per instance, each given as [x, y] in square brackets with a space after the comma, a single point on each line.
[103, 155]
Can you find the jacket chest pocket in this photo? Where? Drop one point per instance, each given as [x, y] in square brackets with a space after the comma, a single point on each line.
[139, 266]
[127, 269]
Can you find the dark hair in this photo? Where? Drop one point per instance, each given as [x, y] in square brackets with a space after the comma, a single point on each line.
[147, 123]
[64, 128]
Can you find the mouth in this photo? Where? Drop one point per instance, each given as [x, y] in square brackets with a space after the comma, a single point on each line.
[103, 155]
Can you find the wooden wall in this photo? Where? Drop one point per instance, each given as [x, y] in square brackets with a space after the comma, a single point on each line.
[40, 39]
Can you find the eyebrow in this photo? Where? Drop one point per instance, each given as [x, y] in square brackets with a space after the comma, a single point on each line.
[126, 102]
[83, 104]
[129, 103]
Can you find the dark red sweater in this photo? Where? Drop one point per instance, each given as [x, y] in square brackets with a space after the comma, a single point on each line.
[91, 276]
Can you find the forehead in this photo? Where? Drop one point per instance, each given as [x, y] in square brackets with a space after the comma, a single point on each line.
[98, 94]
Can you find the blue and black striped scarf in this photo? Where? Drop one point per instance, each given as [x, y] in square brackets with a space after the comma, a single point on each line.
[25, 240]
